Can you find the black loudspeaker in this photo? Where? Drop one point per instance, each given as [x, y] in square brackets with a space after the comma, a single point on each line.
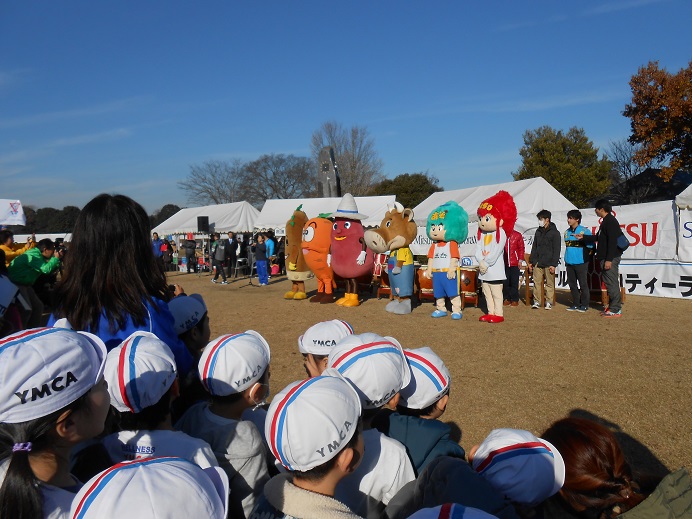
[203, 224]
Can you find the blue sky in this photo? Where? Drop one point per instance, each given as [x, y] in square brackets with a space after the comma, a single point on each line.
[123, 96]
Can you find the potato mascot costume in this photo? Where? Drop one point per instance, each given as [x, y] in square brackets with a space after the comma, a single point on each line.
[496, 218]
[316, 245]
[296, 268]
[448, 225]
[396, 232]
[351, 259]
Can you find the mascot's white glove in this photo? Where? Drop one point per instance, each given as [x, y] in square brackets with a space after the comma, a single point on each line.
[451, 273]
[329, 260]
[361, 258]
[483, 267]
[396, 270]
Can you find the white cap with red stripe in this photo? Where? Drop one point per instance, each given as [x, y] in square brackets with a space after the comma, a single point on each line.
[524, 468]
[232, 363]
[320, 338]
[139, 371]
[43, 370]
[430, 379]
[375, 365]
[310, 421]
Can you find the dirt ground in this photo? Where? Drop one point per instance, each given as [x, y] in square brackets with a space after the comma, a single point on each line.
[632, 373]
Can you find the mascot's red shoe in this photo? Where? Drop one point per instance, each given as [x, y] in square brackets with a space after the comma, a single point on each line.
[496, 319]
[485, 318]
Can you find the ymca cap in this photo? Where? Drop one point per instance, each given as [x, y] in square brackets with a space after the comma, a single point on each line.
[232, 363]
[310, 421]
[45, 369]
[321, 337]
[430, 379]
[375, 365]
[153, 487]
[524, 468]
[451, 511]
[187, 311]
[139, 371]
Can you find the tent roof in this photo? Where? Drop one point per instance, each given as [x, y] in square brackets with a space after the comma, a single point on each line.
[276, 213]
[684, 199]
[236, 217]
[530, 196]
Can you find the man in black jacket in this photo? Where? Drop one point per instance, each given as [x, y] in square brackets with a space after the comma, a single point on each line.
[231, 246]
[608, 254]
[545, 256]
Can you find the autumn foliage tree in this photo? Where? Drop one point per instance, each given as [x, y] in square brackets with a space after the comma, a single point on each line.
[568, 161]
[661, 116]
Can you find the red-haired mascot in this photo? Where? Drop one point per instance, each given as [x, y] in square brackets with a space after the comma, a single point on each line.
[496, 218]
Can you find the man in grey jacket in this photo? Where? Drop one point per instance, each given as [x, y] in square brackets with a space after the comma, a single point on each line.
[545, 256]
[218, 256]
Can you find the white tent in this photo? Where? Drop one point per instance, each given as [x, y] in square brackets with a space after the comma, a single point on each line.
[275, 213]
[236, 217]
[684, 203]
[530, 196]
[684, 199]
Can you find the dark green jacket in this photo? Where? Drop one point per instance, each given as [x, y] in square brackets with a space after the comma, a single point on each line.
[672, 499]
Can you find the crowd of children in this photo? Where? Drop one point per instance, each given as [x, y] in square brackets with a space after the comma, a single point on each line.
[361, 436]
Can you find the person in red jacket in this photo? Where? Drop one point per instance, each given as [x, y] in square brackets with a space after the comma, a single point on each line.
[514, 255]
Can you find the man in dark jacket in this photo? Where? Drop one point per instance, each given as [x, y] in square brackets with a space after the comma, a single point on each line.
[545, 256]
[231, 246]
[190, 246]
[608, 254]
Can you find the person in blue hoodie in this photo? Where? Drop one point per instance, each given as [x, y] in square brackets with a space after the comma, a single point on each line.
[576, 262]
[416, 423]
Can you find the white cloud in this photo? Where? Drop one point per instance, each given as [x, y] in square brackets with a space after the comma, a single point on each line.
[623, 5]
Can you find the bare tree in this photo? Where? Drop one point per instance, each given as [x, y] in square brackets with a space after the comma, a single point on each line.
[278, 176]
[360, 167]
[626, 188]
[214, 182]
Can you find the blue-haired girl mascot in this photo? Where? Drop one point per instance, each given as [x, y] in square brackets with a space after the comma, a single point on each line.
[448, 225]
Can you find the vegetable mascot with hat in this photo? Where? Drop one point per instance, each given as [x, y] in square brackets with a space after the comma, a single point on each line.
[296, 268]
[448, 225]
[496, 218]
[351, 259]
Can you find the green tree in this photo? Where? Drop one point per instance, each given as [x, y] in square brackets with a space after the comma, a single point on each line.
[568, 161]
[410, 188]
[163, 214]
[661, 117]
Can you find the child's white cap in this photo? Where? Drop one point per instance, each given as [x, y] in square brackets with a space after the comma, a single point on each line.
[451, 511]
[430, 379]
[232, 363]
[321, 337]
[187, 311]
[310, 421]
[139, 371]
[43, 370]
[375, 365]
[524, 468]
[153, 487]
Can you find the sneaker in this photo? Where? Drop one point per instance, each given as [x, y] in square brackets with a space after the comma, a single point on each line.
[507, 302]
[608, 313]
[548, 306]
[573, 309]
[604, 311]
[213, 281]
[582, 309]
[536, 305]
[515, 303]
[224, 282]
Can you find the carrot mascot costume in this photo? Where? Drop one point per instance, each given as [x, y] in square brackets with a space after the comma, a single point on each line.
[496, 218]
[296, 268]
[316, 245]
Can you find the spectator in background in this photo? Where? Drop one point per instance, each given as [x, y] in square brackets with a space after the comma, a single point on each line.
[609, 255]
[190, 247]
[576, 262]
[545, 256]
[218, 256]
[26, 269]
[260, 250]
[514, 255]
[11, 249]
[231, 246]
[156, 244]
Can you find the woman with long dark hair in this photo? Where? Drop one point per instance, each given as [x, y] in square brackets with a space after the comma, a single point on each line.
[112, 285]
[600, 484]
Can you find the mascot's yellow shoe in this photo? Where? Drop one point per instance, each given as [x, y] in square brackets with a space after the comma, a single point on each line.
[351, 300]
[299, 295]
[342, 300]
[290, 295]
